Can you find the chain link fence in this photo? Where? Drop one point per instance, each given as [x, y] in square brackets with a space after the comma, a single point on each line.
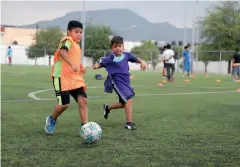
[218, 62]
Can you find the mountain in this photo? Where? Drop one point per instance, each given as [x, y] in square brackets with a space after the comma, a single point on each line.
[123, 22]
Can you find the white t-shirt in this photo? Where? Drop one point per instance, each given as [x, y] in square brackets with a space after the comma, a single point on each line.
[168, 53]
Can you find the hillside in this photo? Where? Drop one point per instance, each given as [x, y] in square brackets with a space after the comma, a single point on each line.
[127, 24]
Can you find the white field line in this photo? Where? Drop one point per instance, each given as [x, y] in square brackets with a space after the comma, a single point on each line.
[33, 94]
[139, 95]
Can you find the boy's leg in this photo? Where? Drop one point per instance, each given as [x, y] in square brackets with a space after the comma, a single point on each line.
[127, 106]
[164, 69]
[58, 110]
[9, 60]
[115, 106]
[189, 69]
[238, 72]
[128, 110]
[235, 72]
[107, 108]
[173, 70]
[168, 71]
[123, 103]
[81, 98]
[63, 101]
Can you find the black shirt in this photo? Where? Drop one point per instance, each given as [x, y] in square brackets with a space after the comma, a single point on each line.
[236, 57]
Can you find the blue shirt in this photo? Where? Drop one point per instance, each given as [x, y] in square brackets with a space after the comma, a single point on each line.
[9, 52]
[186, 55]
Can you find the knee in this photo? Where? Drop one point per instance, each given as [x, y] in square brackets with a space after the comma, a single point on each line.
[130, 101]
[123, 105]
[63, 107]
[82, 101]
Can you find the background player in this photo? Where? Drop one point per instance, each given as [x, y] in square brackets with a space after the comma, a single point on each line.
[168, 57]
[236, 65]
[164, 64]
[186, 61]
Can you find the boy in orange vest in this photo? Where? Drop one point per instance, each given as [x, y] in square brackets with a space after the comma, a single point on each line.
[67, 75]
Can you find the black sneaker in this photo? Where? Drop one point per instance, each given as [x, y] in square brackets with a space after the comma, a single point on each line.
[130, 126]
[106, 111]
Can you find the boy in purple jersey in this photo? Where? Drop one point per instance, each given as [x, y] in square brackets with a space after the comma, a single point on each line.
[118, 79]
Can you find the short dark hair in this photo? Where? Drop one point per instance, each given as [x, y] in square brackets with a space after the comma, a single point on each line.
[186, 47]
[168, 46]
[74, 24]
[116, 40]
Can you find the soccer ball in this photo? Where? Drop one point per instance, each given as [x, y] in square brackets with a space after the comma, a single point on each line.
[91, 133]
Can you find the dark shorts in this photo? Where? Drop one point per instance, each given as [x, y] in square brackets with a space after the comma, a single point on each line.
[172, 66]
[63, 97]
[236, 70]
[164, 65]
[121, 97]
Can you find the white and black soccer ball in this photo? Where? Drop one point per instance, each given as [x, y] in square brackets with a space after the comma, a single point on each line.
[91, 133]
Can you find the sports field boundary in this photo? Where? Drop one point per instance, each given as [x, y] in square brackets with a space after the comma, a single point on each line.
[33, 96]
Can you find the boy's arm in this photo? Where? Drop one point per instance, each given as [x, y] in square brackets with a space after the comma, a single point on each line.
[97, 66]
[64, 54]
[135, 59]
[101, 64]
[64, 48]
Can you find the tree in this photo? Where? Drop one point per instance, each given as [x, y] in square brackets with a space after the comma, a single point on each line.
[220, 30]
[35, 51]
[206, 55]
[97, 41]
[47, 42]
[147, 51]
[177, 51]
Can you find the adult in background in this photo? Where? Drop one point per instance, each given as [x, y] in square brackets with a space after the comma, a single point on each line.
[164, 63]
[236, 64]
[186, 61]
[168, 57]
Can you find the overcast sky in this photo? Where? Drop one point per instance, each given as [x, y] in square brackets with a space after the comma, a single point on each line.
[26, 12]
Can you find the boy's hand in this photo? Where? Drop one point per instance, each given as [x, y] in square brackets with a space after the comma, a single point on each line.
[96, 66]
[74, 68]
[143, 66]
[82, 69]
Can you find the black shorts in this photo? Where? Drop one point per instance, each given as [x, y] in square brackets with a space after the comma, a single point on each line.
[164, 65]
[170, 66]
[63, 97]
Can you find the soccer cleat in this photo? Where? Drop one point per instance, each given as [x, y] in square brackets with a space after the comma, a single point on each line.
[50, 125]
[106, 111]
[130, 126]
